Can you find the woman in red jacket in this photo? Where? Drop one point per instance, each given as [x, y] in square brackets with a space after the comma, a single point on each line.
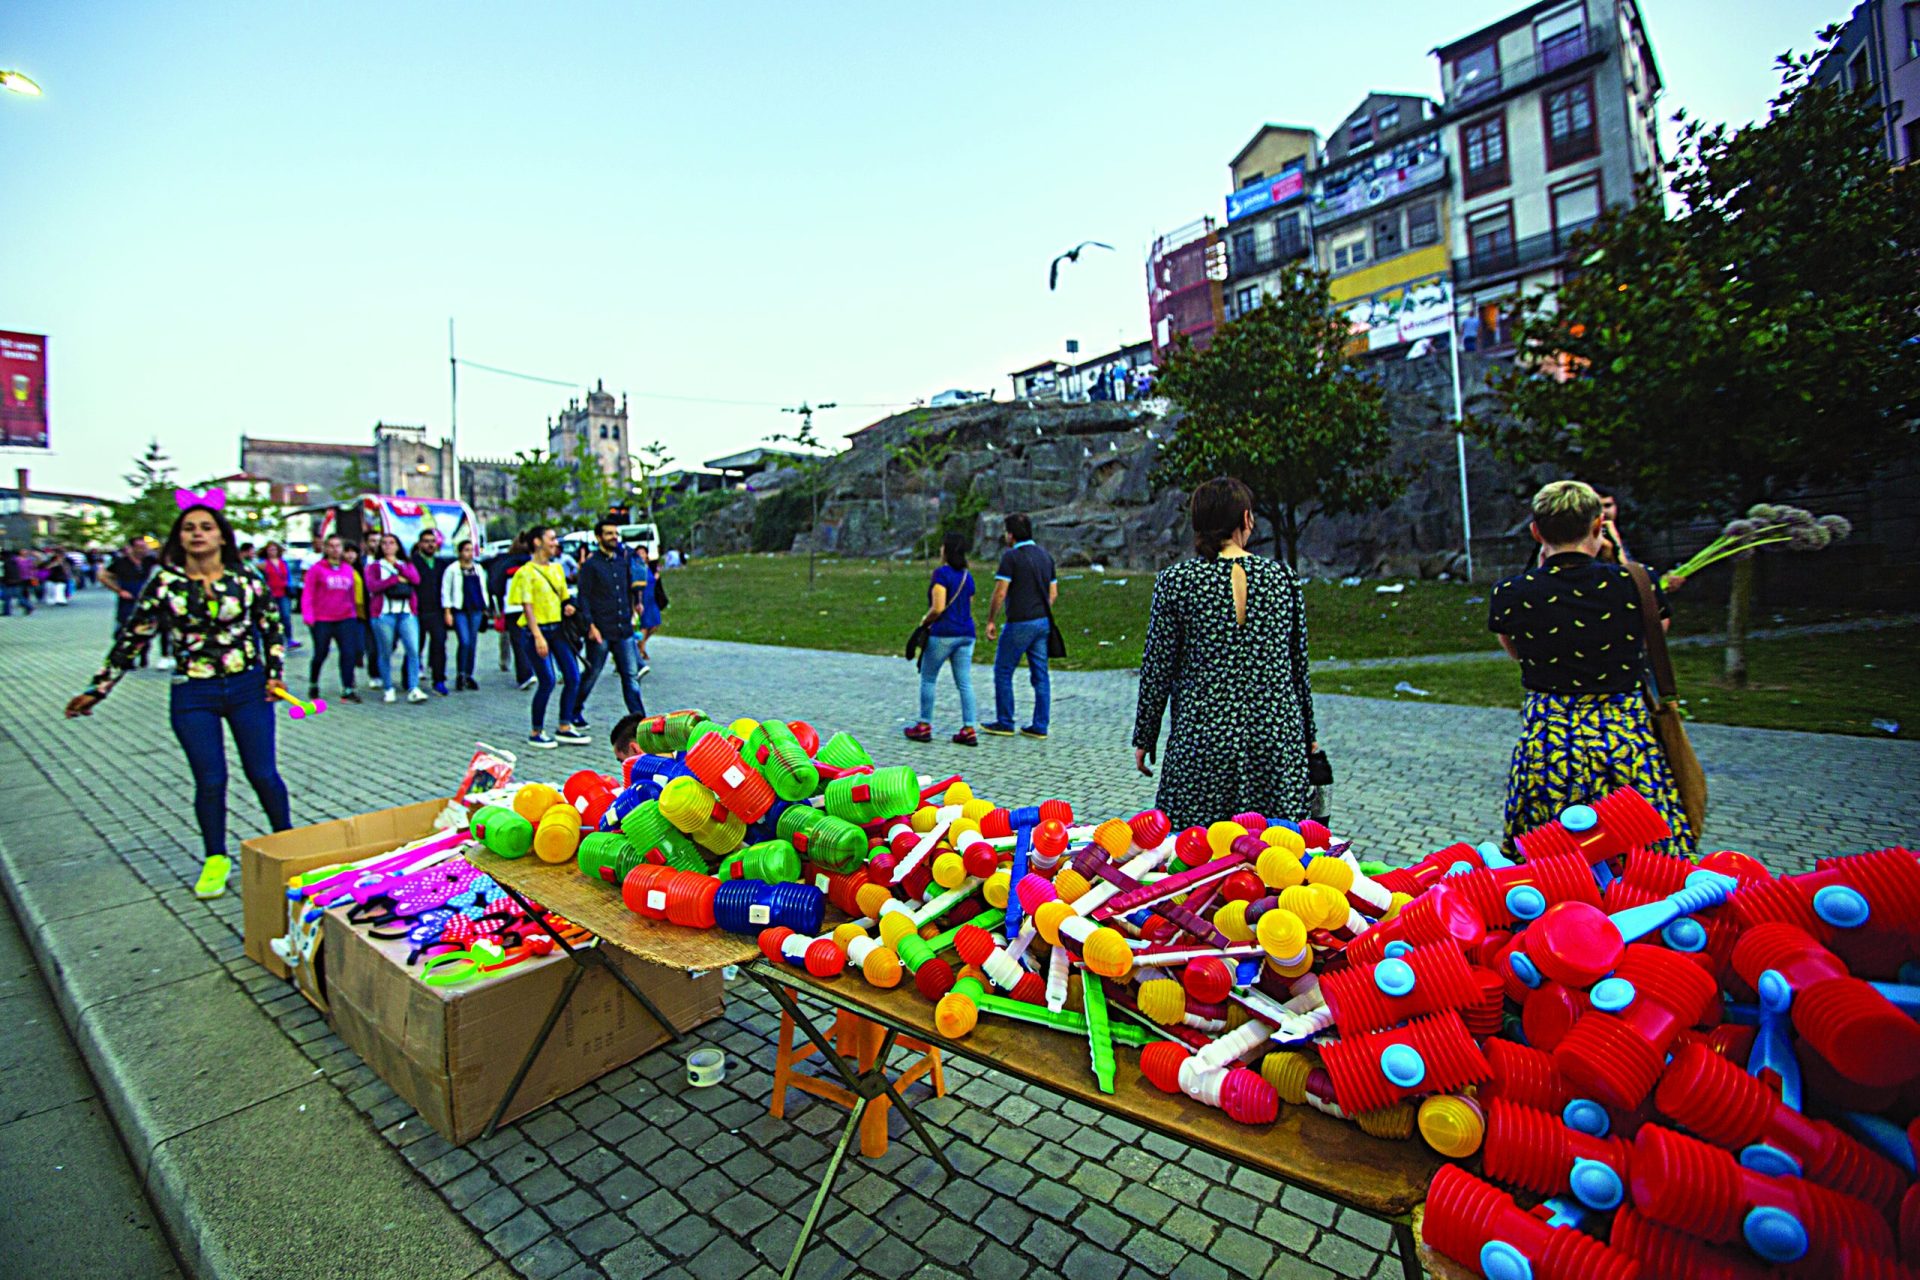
[391, 583]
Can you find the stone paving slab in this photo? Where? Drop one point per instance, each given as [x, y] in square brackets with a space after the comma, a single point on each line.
[637, 1175]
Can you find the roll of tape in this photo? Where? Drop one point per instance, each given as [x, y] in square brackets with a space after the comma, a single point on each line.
[706, 1068]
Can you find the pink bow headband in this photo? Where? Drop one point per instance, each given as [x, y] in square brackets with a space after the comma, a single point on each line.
[214, 499]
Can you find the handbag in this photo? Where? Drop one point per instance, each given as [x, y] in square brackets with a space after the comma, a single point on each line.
[1688, 777]
[917, 642]
[1056, 643]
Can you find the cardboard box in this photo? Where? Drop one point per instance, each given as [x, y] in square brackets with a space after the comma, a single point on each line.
[451, 1051]
[268, 862]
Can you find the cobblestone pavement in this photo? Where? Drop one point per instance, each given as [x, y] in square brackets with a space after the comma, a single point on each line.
[634, 1177]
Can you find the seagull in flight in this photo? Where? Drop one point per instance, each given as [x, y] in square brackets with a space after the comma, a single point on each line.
[1071, 255]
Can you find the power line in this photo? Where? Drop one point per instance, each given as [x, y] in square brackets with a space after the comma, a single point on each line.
[663, 395]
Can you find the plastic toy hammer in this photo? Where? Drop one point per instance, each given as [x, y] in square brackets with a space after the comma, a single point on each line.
[300, 710]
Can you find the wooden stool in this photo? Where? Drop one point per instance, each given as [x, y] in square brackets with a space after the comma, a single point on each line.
[857, 1039]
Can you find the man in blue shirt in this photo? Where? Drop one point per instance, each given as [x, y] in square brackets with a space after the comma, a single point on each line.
[1026, 586]
[608, 581]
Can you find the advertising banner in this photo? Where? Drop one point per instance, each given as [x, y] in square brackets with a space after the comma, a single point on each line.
[1377, 179]
[1280, 188]
[23, 390]
[1404, 313]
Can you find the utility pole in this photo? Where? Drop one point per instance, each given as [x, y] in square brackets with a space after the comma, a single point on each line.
[811, 468]
[1459, 433]
[453, 410]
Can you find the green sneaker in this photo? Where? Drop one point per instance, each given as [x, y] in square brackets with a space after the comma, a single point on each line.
[213, 876]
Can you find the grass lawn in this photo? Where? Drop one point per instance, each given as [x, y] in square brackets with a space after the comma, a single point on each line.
[1823, 684]
[869, 606]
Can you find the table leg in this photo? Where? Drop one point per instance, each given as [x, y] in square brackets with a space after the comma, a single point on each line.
[574, 975]
[596, 955]
[1408, 1250]
[826, 1187]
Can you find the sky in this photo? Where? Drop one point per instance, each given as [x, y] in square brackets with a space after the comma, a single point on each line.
[242, 218]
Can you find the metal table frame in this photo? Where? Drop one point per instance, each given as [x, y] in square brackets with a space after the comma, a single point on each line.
[780, 981]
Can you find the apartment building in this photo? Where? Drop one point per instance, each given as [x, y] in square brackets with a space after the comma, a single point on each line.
[1266, 226]
[1879, 51]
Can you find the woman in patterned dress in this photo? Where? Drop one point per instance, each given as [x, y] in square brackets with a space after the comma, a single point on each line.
[229, 647]
[1227, 646]
[1574, 623]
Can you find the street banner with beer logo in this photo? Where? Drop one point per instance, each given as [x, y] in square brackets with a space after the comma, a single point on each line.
[23, 390]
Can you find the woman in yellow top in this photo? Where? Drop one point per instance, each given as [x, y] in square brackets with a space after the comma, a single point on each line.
[539, 587]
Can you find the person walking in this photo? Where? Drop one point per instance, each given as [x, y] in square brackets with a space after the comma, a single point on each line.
[330, 606]
[59, 576]
[653, 604]
[950, 640]
[426, 561]
[1026, 586]
[539, 587]
[392, 585]
[376, 660]
[126, 575]
[277, 574]
[607, 587]
[1574, 623]
[500, 573]
[1226, 649]
[18, 578]
[229, 645]
[464, 607]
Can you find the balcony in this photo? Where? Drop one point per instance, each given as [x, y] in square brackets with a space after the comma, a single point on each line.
[1518, 257]
[1266, 255]
[1568, 51]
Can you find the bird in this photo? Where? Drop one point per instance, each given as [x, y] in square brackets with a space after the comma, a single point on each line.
[1071, 255]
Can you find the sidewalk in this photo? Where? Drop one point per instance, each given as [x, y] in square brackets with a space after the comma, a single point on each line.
[206, 1062]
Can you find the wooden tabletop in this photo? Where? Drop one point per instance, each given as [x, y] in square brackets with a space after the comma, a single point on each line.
[1329, 1157]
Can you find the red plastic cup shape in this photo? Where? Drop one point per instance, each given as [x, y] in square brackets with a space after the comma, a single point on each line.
[1550, 1011]
[1377, 1069]
[1439, 914]
[1418, 878]
[1852, 1026]
[1519, 894]
[1575, 943]
[1604, 829]
[1673, 1255]
[1424, 980]
[1207, 980]
[1533, 1151]
[1524, 1075]
[1615, 1053]
[1479, 1226]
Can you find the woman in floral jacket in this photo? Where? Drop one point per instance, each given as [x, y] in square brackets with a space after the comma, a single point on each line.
[229, 647]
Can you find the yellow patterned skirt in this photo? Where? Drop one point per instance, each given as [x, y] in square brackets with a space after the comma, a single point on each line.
[1575, 748]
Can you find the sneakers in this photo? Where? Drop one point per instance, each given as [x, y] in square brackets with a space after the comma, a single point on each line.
[163, 662]
[541, 740]
[417, 695]
[348, 695]
[998, 728]
[440, 687]
[573, 737]
[1031, 732]
[641, 674]
[922, 732]
[528, 683]
[213, 876]
[313, 691]
[965, 738]
[469, 683]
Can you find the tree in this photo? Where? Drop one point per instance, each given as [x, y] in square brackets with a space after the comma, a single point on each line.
[543, 488]
[254, 518]
[810, 464]
[922, 453]
[1757, 342]
[81, 530]
[649, 461]
[151, 510]
[1278, 402]
[354, 481]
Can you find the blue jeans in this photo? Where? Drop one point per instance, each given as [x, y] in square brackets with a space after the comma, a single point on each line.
[324, 634]
[406, 628]
[8, 595]
[626, 660]
[561, 658]
[466, 625]
[1018, 639]
[940, 651]
[285, 605]
[198, 707]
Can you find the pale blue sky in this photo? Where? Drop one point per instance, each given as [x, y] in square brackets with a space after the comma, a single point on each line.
[245, 217]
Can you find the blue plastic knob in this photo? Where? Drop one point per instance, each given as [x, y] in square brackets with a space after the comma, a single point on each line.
[1525, 902]
[1396, 948]
[1487, 849]
[1403, 1065]
[1461, 868]
[1393, 977]
[1775, 1235]
[1611, 995]
[1501, 1261]
[1596, 1185]
[1841, 907]
[1771, 1161]
[1685, 934]
[1523, 969]
[1775, 993]
[1579, 817]
[1584, 1115]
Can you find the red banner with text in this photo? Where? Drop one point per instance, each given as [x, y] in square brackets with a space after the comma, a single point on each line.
[23, 390]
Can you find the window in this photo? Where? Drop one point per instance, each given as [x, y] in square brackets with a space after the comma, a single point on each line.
[1570, 130]
[1490, 241]
[1387, 121]
[1246, 300]
[1423, 224]
[1560, 38]
[1360, 132]
[1352, 253]
[1912, 134]
[1243, 250]
[1476, 74]
[1912, 14]
[1287, 240]
[603, 431]
[1858, 77]
[1386, 234]
[1574, 206]
[1483, 151]
[1252, 180]
[616, 431]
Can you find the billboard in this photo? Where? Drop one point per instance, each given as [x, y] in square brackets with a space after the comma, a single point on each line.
[23, 390]
[1283, 186]
[1404, 313]
[1381, 177]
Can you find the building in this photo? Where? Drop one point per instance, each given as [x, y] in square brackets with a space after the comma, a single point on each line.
[1267, 227]
[1038, 382]
[31, 517]
[1549, 116]
[1186, 273]
[399, 460]
[1879, 49]
[596, 424]
[1121, 374]
[1379, 208]
[737, 470]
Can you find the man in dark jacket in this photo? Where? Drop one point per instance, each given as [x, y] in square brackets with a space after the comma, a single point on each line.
[607, 583]
[426, 559]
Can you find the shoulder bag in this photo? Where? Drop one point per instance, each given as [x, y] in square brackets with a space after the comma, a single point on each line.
[1688, 777]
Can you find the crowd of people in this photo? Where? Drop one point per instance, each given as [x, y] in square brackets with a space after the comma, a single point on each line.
[34, 576]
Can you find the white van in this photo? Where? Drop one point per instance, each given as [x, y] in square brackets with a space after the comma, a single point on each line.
[645, 536]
